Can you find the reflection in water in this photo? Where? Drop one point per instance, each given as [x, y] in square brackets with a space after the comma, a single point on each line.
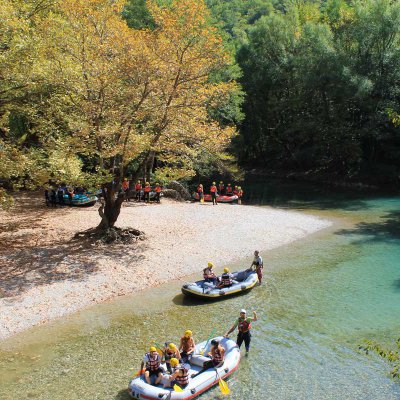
[325, 294]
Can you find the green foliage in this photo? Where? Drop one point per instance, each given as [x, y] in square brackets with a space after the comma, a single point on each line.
[318, 81]
[392, 356]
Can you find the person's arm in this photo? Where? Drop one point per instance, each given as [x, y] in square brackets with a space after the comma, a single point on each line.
[173, 375]
[177, 354]
[193, 347]
[254, 316]
[231, 330]
[180, 345]
[222, 350]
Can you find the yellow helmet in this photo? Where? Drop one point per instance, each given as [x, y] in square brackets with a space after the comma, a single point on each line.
[147, 183]
[210, 264]
[174, 362]
[188, 333]
[157, 184]
[171, 346]
[226, 269]
[152, 348]
[213, 183]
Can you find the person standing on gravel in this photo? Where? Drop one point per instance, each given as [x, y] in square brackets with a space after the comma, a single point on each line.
[259, 265]
[214, 193]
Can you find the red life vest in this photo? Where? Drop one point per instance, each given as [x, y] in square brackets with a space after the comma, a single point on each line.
[199, 189]
[229, 189]
[236, 192]
[125, 185]
[158, 189]
[221, 187]
[217, 357]
[138, 186]
[153, 363]
[183, 379]
[244, 326]
[147, 189]
[226, 279]
[213, 189]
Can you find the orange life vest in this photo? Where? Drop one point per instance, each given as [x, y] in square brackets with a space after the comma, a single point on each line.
[213, 189]
[158, 189]
[229, 189]
[147, 189]
[138, 186]
[125, 185]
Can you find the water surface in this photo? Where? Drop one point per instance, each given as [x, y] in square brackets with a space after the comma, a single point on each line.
[324, 296]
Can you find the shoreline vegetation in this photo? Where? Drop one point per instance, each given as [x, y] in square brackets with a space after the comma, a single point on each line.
[46, 275]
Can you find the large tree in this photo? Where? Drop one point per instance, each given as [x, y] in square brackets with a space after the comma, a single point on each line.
[128, 95]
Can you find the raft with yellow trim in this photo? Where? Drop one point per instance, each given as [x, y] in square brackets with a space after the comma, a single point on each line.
[139, 389]
[242, 281]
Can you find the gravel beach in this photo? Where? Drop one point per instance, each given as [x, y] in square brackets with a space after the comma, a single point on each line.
[44, 275]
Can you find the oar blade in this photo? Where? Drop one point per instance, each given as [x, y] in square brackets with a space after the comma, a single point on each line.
[224, 387]
[177, 388]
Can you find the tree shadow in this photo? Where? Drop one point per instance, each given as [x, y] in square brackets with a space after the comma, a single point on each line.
[29, 258]
[122, 395]
[387, 230]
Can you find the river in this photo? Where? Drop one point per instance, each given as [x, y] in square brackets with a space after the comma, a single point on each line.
[324, 296]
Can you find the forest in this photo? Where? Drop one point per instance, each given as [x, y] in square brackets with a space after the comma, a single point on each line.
[95, 90]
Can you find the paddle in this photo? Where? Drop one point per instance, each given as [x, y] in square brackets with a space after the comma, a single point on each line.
[177, 388]
[212, 333]
[223, 385]
[140, 372]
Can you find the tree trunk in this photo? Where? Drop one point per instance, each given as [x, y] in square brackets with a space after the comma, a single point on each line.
[110, 207]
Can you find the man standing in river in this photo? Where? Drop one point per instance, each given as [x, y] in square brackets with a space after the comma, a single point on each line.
[244, 326]
[258, 263]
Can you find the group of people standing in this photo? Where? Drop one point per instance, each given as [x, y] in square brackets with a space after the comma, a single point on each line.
[54, 196]
[142, 190]
[176, 359]
[221, 190]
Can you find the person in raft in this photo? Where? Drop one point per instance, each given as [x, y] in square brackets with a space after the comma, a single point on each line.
[170, 352]
[214, 193]
[229, 190]
[158, 192]
[179, 376]
[147, 190]
[187, 346]
[138, 189]
[153, 366]
[226, 279]
[217, 354]
[200, 191]
[208, 273]
[259, 265]
[244, 326]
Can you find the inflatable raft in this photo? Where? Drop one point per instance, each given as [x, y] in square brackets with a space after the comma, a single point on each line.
[220, 199]
[139, 389]
[242, 282]
[81, 200]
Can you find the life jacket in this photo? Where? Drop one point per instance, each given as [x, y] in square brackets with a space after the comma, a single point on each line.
[229, 189]
[158, 189]
[153, 364]
[185, 344]
[217, 357]
[236, 192]
[183, 379]
[168, 355]
[199, 189]
[240, 193]
[206, 272]
[125, 185]
[244, 326]
[147, 189]
[138, 186]
[213, 189]
[226, 279]
[221, 187]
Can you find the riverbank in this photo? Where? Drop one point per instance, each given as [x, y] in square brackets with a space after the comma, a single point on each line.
[44, 275]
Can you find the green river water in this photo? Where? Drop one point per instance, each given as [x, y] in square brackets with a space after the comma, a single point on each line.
[325, 295]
